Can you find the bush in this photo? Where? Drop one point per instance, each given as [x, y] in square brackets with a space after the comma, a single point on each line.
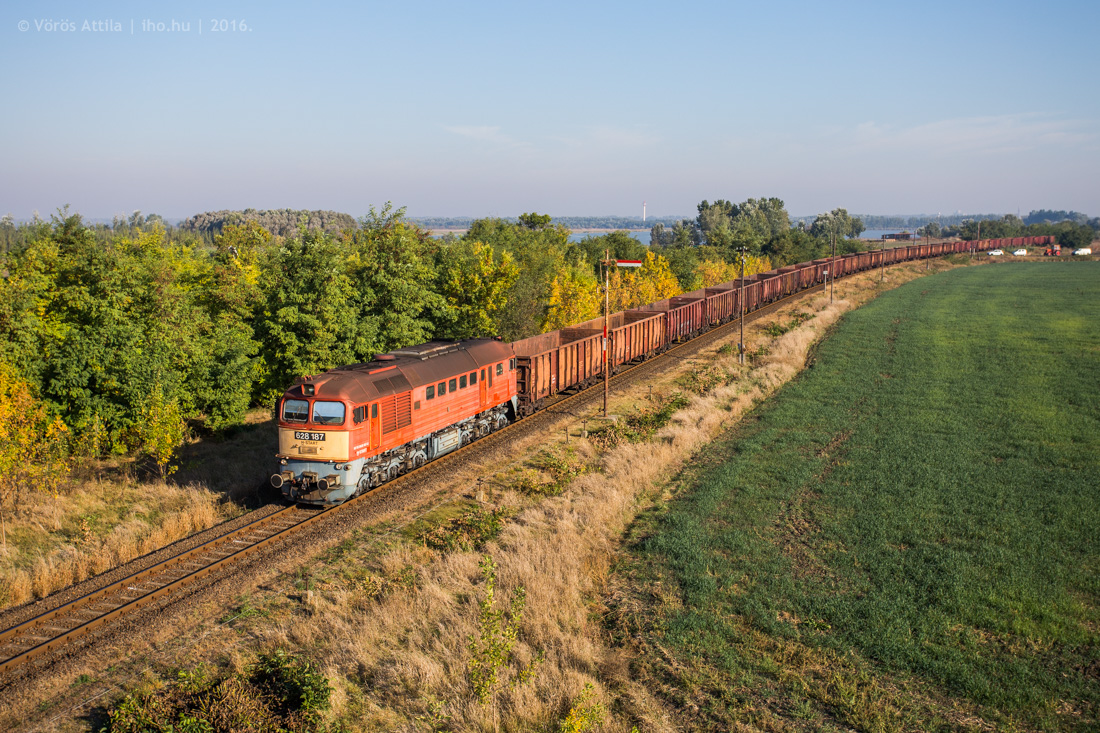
[470, 530]
[279, 692]
[637, 428]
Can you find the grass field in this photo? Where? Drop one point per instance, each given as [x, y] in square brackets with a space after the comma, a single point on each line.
[907, 536]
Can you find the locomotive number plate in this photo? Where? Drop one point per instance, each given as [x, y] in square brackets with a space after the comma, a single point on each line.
[302, 435]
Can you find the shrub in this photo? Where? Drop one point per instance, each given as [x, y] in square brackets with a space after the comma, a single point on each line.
[465, 532]
[279, 692]
[491, 649]
[637, 428]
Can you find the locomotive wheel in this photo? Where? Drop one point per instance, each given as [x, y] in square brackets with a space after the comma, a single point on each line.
[419, 460]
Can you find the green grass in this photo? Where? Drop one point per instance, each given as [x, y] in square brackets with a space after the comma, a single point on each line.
[909, 533]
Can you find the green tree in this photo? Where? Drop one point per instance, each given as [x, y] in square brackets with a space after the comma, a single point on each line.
[393, 283]
[620, 245]
[230, 295]
[474, 283]
[540, 256]
[534, 221]
[308, 322]
[837, 222]
[931, 229]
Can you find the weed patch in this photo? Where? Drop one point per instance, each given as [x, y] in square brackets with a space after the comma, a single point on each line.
[639, 427]
[278, 692]
[562, 467]
[705, 380]
[468, 531]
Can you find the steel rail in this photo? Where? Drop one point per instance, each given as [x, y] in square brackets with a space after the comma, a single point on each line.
[111, 593]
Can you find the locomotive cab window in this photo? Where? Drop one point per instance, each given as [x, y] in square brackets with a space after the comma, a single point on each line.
[359, 414]
[429, 393]
[511, 365]
[295, 410]
[328, 413]
[374, 411]
[473, 377]
[441, 388]
[451, 385]
[500, 369]
[462, 382]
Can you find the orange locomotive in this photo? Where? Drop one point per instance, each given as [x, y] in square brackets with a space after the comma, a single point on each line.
[358, 426]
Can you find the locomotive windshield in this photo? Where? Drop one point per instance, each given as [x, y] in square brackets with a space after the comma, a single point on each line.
[295, 410]
[328, 413]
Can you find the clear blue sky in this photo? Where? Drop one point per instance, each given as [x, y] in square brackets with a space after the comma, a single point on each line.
[566, 108]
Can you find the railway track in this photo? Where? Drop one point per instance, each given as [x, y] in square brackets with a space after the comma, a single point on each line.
[181, 573]
[73, 620]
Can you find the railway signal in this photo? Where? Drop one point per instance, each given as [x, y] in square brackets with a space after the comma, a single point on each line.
[741, 305]
[607, 263]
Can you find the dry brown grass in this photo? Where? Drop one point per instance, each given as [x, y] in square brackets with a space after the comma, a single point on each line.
[113, 512]
[60, 540]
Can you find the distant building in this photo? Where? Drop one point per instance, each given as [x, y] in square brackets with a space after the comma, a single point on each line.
[900, 236]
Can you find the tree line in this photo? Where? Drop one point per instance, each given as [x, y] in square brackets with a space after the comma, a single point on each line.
[1070, 232]
[129, 334]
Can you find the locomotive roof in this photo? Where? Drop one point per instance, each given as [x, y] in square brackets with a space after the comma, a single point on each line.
[403, 369]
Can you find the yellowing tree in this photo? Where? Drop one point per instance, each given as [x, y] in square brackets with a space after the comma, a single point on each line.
[161, 429]
[754, 265]
[475, 282]
[574, 298]
[651, 282]
[716, 272]
[33, 445]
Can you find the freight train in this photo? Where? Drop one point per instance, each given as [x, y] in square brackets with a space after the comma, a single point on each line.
[355, 427]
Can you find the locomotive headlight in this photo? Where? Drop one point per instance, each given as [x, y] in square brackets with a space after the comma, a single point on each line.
[308, 389]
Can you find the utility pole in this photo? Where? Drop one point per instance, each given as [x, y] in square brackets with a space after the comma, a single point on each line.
[606, 309]
[882, 270]
[832, 268]
[741, 302]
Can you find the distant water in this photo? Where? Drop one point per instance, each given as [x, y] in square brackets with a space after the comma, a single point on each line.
[643, 235]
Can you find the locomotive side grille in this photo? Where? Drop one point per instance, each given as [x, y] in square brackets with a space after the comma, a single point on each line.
[389, 414]
[404, 410]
